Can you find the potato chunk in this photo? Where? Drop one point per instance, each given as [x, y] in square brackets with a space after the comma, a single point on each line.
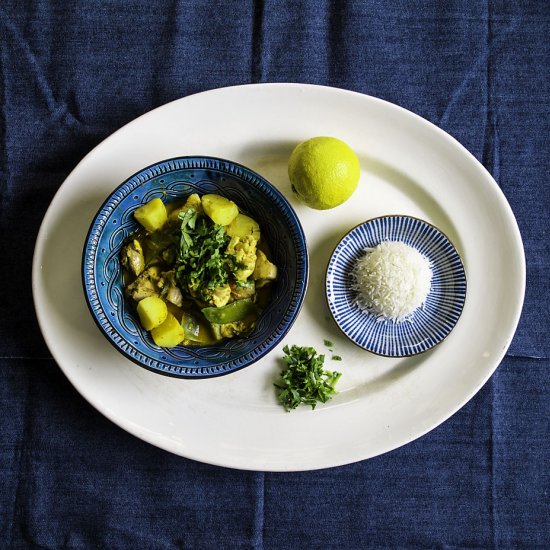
[169, 334]
[193, 201]
[219, 209]
[152, 312]
[242, 226]
[152, 215]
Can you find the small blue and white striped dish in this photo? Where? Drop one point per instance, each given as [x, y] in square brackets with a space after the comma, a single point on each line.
[429, 324]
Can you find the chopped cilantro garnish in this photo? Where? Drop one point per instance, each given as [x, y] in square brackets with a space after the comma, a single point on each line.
[304, 380]
[328, 343]
[336, 358]
[202, 263]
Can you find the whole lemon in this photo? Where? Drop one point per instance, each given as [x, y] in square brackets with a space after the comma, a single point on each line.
[324, 172]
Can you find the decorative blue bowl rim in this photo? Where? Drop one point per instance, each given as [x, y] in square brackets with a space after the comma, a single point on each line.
[175, 178]
[429, 324]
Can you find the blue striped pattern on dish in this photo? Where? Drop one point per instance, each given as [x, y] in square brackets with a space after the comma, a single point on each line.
[429, 324]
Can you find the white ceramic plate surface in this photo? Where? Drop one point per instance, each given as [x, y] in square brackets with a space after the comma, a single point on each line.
[409, 166]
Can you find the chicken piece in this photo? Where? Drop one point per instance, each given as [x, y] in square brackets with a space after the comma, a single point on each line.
[132, 257]
[230, 330]
[264, 270]
[220, 296]
[147, 284]
[170, 290]
[242, 290]
[244, 250]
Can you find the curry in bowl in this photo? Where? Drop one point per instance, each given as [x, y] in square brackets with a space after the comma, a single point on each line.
[195, 267]
[197, 270]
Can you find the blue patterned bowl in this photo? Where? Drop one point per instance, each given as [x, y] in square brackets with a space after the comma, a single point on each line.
[429, 324]
[174, 179]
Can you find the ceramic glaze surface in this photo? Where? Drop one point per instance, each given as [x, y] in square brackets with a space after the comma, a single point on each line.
[429, 324]
[173, 180]
[408, 167]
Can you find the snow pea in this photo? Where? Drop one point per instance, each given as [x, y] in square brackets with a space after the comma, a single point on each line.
[231, 313]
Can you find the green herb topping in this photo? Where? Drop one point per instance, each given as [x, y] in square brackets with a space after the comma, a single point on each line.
[202, 264]
[304, 380]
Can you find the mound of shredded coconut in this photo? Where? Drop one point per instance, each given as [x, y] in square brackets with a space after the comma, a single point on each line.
[392, 280]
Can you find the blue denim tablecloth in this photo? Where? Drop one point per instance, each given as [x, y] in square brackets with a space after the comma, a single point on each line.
[73, 72]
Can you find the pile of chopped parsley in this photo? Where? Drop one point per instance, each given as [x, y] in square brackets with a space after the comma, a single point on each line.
[305, 380]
